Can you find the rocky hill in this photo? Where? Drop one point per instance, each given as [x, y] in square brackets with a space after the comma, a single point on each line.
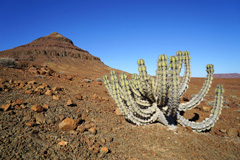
[48, 47]
[60, 54]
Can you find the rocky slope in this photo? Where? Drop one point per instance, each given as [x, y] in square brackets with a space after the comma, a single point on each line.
[60, 54]
[50, 46]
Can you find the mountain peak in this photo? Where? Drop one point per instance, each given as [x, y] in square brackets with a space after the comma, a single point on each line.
[48, 47]
[56, 34]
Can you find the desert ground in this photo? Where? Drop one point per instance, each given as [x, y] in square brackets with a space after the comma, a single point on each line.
[62, 116]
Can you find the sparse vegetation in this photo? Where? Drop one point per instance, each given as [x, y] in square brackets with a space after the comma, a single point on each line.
[9, 62]
[144, 100]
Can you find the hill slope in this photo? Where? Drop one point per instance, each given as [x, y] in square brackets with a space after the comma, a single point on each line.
[60, 54]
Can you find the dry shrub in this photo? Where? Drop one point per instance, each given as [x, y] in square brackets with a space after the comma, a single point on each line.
[9, 63]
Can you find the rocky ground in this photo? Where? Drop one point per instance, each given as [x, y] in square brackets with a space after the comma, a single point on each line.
[51, 115]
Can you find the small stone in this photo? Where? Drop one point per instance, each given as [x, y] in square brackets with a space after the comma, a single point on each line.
[90, 148]
[95, 151]
[57, 89]
[104, 149]
[93, 130]
[78, 96]
[40, 118]
[87, 80]
[223, 130]
[206, 108]
[18, 102]
[233, 132]
[73, 132]
[8, 101]
[30, 124]
[70, 103]
[45, 106]
[56, 97]
[99, 83]
[37, 91]
[32, 82]
[48, 92]
[87, 126]
[81, 129]
[37, 108]
[61, 117]
[69, 77]
[67, 124]
[94, 96]
[33, 70]
[109, 139]
[17, 107]
[28, 92]
[84, 115]
[103, 140]
[117, 112]
[22, 106]
[62, 143]
[5, 107]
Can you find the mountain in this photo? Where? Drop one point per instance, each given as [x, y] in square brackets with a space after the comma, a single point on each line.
[227, 75]
[50, 46]
[60, 54]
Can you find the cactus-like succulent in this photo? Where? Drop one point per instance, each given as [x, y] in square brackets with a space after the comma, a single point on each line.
[144, 99]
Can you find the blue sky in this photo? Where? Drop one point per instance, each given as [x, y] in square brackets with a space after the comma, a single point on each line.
[122, 31]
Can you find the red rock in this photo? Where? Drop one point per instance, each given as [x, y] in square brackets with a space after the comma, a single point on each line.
[57, 89]
[45, 106]
[81, 128]
[104, 149]
[30, 124]
[94, 96]
[103, 140]
[99, 83]
[28, 92]
[87, 126]
[37, 108]
[117, 112]
[17, 107]
[61, 117]
[69, 77]
[67, 124]
[70, 103]
[5, 107]
[32, 82]
[48, 93]
[92, 130]
[62, 143]
[18, 102]
[56, 97]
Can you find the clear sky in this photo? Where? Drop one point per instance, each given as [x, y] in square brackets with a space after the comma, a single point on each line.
[122, 31]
